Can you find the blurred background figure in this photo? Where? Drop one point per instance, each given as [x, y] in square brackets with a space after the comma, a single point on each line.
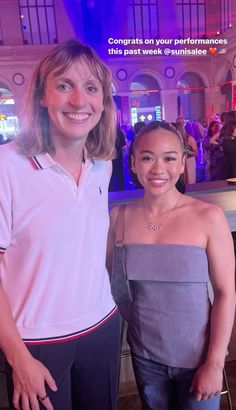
[223, 118]
[213, 152]
[137, 126]
[191, 149]
[117, 182]
[228, 133]
[130, 134]
[231, 116]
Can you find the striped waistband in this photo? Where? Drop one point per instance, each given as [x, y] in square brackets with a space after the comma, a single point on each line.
[71, 336]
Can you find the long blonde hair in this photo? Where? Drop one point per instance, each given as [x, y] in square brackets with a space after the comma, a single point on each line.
[35, 136]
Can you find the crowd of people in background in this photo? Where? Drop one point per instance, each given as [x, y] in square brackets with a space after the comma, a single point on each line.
[210, 150]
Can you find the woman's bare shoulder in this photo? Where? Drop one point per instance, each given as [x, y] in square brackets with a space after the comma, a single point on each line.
[204, 209]
[129, 209]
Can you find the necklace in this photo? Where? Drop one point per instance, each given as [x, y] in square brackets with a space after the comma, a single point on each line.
[157, 226]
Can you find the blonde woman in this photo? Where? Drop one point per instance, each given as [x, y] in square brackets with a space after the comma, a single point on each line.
[57, 313]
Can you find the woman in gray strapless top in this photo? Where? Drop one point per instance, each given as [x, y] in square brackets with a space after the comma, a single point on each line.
[164, 252]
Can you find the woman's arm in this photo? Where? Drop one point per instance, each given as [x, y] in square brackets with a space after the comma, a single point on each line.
[111, 239]
[220, 251]
[193, 145]
[214, 138]
[29, 375]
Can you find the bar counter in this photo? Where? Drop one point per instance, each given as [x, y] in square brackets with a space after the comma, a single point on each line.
[220, 193]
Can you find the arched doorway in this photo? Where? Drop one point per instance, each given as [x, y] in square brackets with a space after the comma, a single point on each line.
[8, 118]
[191, 96]
[145, 99]
[226, 90]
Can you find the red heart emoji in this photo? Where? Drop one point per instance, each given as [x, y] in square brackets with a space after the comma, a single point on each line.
[212, 50]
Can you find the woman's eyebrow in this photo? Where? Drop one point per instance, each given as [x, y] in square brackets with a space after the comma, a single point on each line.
[165, 152]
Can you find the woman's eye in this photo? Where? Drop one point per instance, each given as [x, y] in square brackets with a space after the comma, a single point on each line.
[168, 159]
[146, 158]
[92, 89]
[63, 87]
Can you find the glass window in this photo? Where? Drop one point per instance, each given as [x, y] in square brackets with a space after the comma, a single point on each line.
[34, 25]
[38, 22]
[226, 16]
[1, 36]
[43, 25]
[191, 18]
[201, 21]
[138, 21]
[143, 18]
[186, 20]
[52, 23]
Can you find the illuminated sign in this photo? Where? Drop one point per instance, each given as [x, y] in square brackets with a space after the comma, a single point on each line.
[134, 115]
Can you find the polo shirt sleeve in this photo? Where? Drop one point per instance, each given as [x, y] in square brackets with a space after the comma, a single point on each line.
[5, 210]
[109, 168]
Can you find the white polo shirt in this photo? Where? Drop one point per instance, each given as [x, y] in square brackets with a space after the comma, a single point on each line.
[53, 235]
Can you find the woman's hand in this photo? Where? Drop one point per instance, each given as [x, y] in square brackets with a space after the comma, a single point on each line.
[29, 375]
[29, 379]
[207, 382]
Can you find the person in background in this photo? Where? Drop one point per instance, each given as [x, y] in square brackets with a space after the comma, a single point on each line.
[197, 132]
[59, 324]
[213, 152]
[5, 140]
[223, 117]
[163, 252]
[138, 125]
[228, 133]
[191, 151]
[130, 135]
[231, 116]
[117, 182]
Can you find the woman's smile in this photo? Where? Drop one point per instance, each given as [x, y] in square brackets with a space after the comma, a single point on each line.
[158, 160]
[74, 100]
[78, 117]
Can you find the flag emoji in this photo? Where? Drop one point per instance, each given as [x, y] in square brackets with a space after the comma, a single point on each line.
[221, 50]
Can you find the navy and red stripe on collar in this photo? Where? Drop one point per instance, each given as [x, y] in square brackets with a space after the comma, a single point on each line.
[45, 160]
[36, 164]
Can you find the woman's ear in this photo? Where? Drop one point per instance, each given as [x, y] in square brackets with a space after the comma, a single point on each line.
[133, 169]
[183, 164]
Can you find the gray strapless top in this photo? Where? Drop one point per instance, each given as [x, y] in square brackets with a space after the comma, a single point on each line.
[169, 320]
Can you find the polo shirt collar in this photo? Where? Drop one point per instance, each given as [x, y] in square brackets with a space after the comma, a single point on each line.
[44, 160]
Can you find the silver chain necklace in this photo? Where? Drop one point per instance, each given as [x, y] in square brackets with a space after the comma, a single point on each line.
[157, 226]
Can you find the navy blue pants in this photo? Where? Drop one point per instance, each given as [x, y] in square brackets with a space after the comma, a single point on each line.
[85, 369]
[158, 384]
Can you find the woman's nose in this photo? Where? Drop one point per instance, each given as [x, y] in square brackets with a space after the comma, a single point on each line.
[157, 167]
[77, 98]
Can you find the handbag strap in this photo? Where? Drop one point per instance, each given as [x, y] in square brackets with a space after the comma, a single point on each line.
[120, 226]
